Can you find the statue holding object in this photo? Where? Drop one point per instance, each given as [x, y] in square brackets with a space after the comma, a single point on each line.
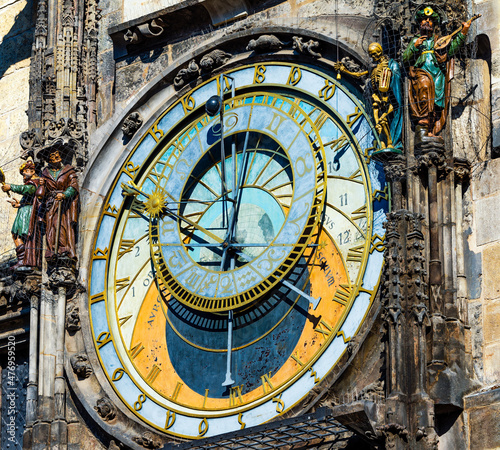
[429, 59]
[57, 196]
[387, 96]
[25, 230]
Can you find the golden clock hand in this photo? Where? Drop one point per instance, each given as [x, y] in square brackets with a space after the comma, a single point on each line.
[197, 226]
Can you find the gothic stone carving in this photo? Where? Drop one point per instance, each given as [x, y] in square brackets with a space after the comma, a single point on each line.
[148, 440]
[186, 75]
[72, 317]
[131, 124]
[265, 43]
[81, 365]
[106, 409]
[214, 59]
[306, 48]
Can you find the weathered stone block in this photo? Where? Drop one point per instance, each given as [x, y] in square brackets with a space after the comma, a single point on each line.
[486, 180]
[14, 90]
[487, 229]
[484, 426]
[492, 322]
[491, 274]
[491, 366]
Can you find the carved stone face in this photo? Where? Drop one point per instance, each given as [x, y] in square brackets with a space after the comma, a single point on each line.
[376, 52]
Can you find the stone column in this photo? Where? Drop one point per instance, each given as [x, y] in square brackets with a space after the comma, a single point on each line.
[63, 281]
[462, 172]
[431, 162]
[32, 287]
[395, 172]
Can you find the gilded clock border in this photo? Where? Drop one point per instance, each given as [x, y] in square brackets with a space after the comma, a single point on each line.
[153, 130]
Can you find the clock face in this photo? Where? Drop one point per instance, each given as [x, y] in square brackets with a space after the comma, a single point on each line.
[228, 275]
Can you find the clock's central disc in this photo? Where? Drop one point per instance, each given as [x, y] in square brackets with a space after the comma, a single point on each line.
[241, 212]
[260, 217]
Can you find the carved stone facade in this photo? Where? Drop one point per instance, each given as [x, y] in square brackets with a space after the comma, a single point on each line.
[422, 372]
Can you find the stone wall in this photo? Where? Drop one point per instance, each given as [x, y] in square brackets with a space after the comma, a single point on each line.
[16, 36]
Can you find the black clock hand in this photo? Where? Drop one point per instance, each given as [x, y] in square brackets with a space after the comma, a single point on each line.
[236, 207]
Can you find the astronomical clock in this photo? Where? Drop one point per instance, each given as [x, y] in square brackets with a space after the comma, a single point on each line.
[238, 253]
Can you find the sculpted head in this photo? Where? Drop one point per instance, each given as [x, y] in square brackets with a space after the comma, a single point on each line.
[27, 170]
[55, 158]
[375, 51]
[427, 19]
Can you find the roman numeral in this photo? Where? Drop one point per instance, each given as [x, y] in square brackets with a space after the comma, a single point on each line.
[134, 351]
[324, 329]
[97, 298]
[177, 391]
[122, 283]
[266, 382]
[137, 207]
[356, 175]
[359, 213]
[153, 374]
[235, 394]
[126, 246]
[124, 320]
[337, 144]
[297, 360]
[321, 120]
[343, 293]
[355, 254]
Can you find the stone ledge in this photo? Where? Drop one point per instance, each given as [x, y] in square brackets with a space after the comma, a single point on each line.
[485, 397]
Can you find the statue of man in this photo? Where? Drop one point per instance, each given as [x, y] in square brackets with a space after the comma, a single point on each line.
[429, 59]
[58, 196]
[387, 95]
[26, 238]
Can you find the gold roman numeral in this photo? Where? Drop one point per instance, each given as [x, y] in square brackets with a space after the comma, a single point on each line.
[359, 213]
[297, 360]
[97, 298]
[134, 351]
[124, 320]
[122, 283]
[266, 382]
[126, 246]
[153, 374]
[235, 394]
[355, 254]
[177, 391]
[324, 329]
[343, 293]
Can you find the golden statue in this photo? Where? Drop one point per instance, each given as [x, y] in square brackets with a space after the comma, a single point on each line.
[387, 95]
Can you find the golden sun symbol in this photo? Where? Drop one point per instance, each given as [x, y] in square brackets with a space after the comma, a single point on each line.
[156, 203]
